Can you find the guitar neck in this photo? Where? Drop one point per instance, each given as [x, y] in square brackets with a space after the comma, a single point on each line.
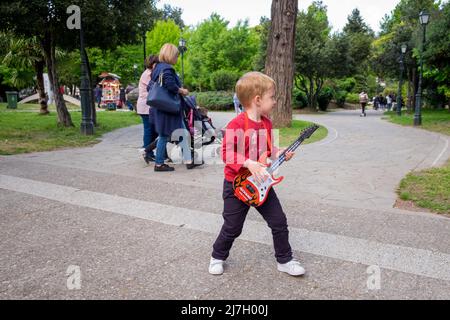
[282, 157]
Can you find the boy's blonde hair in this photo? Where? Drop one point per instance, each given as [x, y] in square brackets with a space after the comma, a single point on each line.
[169, 53]
[253, 84]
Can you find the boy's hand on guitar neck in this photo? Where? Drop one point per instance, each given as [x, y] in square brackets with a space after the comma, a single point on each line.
[289, 155]
[257, 169]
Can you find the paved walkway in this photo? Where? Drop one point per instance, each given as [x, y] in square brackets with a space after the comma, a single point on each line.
[134, 233]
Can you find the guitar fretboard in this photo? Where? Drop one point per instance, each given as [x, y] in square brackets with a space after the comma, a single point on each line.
[305, 135]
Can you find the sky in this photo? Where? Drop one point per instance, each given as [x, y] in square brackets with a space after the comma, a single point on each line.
[195, 11]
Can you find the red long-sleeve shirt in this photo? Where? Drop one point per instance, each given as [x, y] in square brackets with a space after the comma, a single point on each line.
[236, 150]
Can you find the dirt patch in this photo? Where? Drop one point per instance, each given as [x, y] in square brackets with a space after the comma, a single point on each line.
[410, 206]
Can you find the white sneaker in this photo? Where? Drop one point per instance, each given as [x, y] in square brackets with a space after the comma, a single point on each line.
[216, 267]
[293, 268]
[141, 151]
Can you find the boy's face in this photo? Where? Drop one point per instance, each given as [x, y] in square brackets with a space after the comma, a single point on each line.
[267, 102]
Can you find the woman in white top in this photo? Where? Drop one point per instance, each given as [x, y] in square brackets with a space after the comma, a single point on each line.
[145, 111]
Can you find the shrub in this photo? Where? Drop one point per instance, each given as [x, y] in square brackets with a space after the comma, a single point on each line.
[215, 100]
[340, 97]
[352, 98]
[299, 99]
[347, 84]
[224, 80]
[324, 98]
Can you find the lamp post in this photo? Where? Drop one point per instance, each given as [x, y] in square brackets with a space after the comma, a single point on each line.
[182, 47]
[87, 125]
[144, 37]
[135, 66]
[400, 83]
[424, 18]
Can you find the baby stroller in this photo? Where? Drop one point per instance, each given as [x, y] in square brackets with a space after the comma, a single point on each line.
[200, 126]
[201, 129]
[194, 114]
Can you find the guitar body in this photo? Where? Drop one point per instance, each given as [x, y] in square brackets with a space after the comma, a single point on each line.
[249, 191]
[255, 194]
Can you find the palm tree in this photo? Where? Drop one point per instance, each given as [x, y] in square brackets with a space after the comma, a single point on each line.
[24, 53]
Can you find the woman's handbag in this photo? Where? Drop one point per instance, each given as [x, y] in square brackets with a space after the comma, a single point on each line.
[163, 100]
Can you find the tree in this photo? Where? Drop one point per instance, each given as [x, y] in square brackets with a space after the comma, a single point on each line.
[401, 26]
[204, 46]
[314, 52]
[47, 21]
[263, 32]
[174, 14]
[280, 57]
[37, 19]
[239, 47]
[356, 24]
[15, 75]
[437, 55]
[213, 47]
[360, 38]
[166, 31]
[25, 53]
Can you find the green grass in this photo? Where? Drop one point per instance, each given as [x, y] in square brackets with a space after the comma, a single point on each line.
[36, 107]
[289, 135]
[433, 120]
[23, 132]
[428, 189]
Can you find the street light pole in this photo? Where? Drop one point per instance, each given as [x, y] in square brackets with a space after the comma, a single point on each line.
[87, 125]
[182, 47]
[145, 48]
[424, 19]
[400, 83]
[135, 66]
[144, 39]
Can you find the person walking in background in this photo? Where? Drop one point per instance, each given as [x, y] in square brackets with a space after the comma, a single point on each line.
[98, 92]
[122, 97]
[382, 102]
[375, 103]
[389, 102]
[129, 90]
[237, 104]
[145, 111]
[363, 100]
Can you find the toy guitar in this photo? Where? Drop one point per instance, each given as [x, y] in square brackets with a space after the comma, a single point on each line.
[251, 192]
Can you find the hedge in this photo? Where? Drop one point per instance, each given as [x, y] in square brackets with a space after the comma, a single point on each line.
[215, 100]
[352, 98]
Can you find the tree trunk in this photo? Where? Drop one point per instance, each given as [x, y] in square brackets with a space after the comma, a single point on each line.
[311, 95]
[280, 57]
[91, 93]
[48, 45]
[39, 68]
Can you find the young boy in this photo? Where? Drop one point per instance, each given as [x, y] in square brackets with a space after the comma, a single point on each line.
[256, 92]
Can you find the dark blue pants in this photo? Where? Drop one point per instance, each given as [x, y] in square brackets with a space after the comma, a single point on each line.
[234, 214]
[150, 134]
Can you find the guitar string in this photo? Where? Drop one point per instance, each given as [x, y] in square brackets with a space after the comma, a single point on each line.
[282, 158]
[292, 147]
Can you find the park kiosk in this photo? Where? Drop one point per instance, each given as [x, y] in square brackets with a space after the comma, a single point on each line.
[110, 91]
